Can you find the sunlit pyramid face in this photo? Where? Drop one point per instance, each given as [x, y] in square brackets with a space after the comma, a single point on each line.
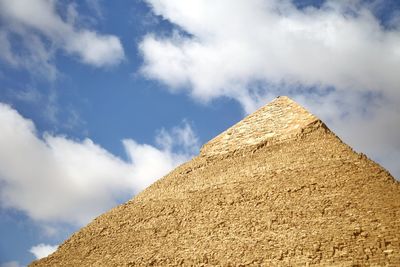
[277, 188]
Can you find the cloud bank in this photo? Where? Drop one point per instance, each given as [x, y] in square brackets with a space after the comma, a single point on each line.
[337, 59]
[55, 179]
[232, 46]
[41, 30]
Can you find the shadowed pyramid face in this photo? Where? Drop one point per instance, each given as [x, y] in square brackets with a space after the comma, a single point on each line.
[280, 120]
[276, 189]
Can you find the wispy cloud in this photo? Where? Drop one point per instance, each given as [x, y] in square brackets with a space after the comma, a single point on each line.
[181, 138]
[10, 264]
[46, 103]
[96, 6]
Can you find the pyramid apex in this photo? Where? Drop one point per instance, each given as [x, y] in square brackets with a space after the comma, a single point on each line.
[283, 99]
[279, 120]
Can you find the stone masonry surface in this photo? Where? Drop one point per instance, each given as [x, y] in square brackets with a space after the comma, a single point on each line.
[280, 120]
[277, 189]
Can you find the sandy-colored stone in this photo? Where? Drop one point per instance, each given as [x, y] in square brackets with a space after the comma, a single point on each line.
[276, 189]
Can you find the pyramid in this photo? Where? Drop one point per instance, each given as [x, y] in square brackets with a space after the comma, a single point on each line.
[276, 189]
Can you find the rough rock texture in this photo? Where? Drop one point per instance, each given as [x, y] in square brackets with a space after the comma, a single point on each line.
[277, 189]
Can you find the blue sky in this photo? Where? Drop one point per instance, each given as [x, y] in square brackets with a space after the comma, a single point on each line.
[99, 99]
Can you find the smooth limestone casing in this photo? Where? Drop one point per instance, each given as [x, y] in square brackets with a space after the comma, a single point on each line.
[294, 196]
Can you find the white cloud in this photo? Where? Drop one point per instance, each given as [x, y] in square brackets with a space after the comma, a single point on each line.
[42, 250]
[95, 49]
[56, 179]
[334, 59]
[42, 31]
[234, 45]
